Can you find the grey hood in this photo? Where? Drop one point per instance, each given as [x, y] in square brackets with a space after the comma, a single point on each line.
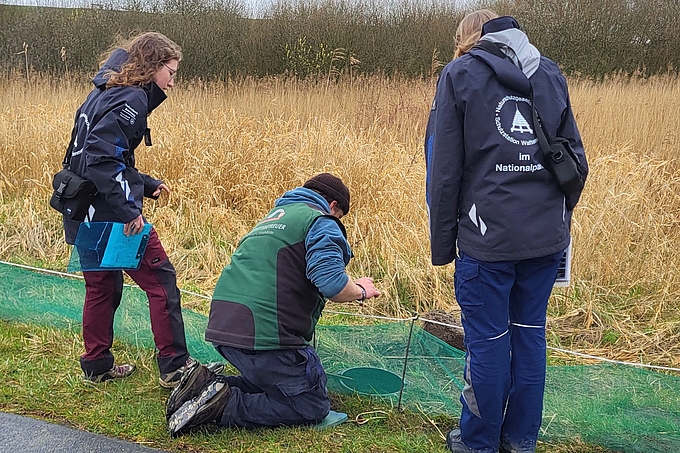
[515, 44]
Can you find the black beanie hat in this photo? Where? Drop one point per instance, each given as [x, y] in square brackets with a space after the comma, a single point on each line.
[332, 187]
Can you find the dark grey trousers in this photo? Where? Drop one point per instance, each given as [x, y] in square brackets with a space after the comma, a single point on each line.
[284, 387]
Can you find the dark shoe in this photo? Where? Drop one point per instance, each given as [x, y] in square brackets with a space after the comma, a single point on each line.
[215, 367]
[456, 445]
[117, 372]
[171, 380]
[521, 447]
[190, 385]
[205, 408]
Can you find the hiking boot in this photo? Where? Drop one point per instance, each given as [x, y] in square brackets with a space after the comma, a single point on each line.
[215, 367]
[455, 444]
[205, 408]
[190, 385]
[170, 380]
[116, 372]
[516, 447]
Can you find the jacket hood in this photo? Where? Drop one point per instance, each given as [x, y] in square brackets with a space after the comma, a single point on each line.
[513, 42]
[114, 63]
[304, 195]
[507, 73]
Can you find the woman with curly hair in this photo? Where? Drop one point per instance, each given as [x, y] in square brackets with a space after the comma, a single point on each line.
[109, 126]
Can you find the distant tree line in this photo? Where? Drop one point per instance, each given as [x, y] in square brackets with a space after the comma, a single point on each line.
[332, 37]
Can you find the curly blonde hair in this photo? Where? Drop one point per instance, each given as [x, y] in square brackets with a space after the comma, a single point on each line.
[146, 54]
[470, 30]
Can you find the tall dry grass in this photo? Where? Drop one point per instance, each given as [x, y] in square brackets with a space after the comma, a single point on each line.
[229, 150]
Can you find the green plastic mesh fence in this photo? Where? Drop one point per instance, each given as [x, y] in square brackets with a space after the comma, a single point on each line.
[618, 407]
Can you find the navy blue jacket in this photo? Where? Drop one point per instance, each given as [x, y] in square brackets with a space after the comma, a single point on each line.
[108, 127]
[487, 190]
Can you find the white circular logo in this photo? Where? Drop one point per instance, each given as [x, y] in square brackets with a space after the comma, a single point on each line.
[514, 120]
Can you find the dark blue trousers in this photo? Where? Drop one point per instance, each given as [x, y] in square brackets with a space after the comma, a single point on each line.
[503, 312]
[284, 387]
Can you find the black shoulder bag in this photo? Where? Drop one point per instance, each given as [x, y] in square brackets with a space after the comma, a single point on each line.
[72, 194]
[559, 157]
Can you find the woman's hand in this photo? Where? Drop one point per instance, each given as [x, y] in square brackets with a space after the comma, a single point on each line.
[160, 189]
[134, 226]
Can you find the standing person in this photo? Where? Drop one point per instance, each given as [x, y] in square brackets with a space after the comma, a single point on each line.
[264, 312]
[499, 214]
[109, 125]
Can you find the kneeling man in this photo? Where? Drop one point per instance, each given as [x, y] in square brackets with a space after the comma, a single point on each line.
[264, 310]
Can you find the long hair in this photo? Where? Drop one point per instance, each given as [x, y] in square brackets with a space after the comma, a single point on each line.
[146, 54]
[470, 30]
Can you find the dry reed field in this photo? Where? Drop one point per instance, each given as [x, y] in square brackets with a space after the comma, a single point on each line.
[229, 150]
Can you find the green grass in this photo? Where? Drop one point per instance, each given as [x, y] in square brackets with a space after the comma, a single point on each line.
[42, 379]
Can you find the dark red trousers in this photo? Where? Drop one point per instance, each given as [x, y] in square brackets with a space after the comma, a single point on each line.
[103, 291]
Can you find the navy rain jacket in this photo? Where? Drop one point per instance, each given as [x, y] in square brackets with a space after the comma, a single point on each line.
[487, 190]
[108, 127]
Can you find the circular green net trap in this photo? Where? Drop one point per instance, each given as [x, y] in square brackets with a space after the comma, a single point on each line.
[366, 380]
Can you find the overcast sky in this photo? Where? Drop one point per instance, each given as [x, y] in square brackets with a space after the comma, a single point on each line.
[251, 5]
[254, 7]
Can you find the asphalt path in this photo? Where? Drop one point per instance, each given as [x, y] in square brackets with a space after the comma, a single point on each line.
[27, 435]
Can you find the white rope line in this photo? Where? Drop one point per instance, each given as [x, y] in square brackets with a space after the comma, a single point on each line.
[46, 271]
[580, 354]
[441, 323]
[619, 362]
[565, 351]
[196, 294]
[361, 315]
[66, 274]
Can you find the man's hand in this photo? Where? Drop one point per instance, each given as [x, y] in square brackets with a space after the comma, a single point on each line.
[367, 288]
[134, 226]
[360, 289]
[160, 189]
